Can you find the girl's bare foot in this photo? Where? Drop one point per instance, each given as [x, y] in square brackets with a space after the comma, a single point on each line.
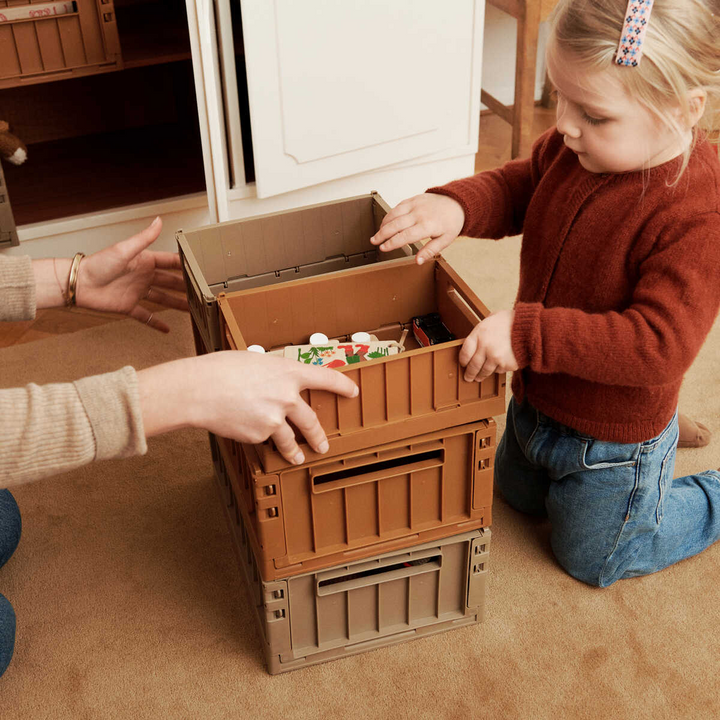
[692, 433]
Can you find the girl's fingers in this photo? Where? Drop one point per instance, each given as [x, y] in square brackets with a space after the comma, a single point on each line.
[412, 234]
[486, 371]
[432, 248]
[473, 367]
[388, 229]
[468, 349]
[402, 208]
[472, 356]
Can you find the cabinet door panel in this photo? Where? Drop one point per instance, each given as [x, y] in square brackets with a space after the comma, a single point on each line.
[338, 88]
[352, 103]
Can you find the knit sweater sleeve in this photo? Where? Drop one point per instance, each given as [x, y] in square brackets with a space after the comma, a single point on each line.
[50, 429]
[17, 288]
[495, 201]
[673, 307]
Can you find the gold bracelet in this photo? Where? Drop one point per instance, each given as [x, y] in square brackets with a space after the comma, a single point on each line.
[72, 280]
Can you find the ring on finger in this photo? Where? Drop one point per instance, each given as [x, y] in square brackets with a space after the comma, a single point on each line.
[147, 322]
[147, 294]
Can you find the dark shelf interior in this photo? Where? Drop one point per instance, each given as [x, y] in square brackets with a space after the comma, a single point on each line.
[152, 32]
[144, 145]
[103, 171]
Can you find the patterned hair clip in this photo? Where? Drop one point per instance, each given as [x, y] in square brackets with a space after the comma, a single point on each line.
[637, 16]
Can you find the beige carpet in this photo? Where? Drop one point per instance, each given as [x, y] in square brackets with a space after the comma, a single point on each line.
[130, 604]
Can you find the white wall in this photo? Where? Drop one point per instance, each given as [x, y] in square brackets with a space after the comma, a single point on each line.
[498, 70]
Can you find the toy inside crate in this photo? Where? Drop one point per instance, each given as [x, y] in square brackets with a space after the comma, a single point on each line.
[362, 605]
[275, 248]
[416, 391]
[357, 505]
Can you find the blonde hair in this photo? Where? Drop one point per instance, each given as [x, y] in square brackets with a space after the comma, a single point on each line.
[681, 53]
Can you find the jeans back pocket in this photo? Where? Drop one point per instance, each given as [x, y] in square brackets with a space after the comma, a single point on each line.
[599, 454]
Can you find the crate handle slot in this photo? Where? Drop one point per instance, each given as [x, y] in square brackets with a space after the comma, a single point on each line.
[375, 576]
[334, 480]
[453, 282]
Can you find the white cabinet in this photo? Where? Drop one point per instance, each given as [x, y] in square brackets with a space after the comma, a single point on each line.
[311, 101]
[344, 98]
[341, 88]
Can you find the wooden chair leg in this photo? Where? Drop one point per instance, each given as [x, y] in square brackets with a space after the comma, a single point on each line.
[548, 99]
[527, 44]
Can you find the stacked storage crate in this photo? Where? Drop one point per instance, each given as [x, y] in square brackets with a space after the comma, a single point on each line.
[385, 537]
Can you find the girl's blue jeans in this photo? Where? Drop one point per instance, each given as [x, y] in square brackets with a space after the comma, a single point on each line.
[10, 529]
[615, 509]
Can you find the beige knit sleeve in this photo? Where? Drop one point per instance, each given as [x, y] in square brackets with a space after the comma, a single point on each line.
[17, 288]
[50, 429]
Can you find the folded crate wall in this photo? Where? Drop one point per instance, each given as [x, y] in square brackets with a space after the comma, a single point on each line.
[275, 248]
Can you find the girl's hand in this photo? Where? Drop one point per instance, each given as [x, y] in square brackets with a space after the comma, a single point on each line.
[488, 348]
[437, 217]
[117, 278]
[239, 395]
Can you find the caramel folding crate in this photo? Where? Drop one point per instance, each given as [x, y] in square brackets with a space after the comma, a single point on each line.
[274, 248]
[414, 392]
[364, 604]
[55, 39]
[357, 505]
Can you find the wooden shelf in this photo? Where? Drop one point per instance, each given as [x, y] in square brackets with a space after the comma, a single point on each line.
[152, 33]
[98, 172]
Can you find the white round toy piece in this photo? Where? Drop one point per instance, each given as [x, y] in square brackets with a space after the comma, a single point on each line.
[318, 338]
[360, 337]
[256, 349]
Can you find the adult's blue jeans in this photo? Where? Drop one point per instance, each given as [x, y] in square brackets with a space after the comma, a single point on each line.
[10, 529]
[615, 509]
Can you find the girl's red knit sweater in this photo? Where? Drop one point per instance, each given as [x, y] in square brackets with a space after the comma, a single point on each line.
[619, 281]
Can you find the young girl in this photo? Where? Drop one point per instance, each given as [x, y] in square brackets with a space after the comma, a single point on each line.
[619, 207]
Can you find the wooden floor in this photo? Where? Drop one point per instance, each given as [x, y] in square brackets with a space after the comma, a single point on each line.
[494, 149]
[495, 136]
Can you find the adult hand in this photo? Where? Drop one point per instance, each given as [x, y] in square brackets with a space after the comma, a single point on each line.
[117, 278]
[437, 217]
[488, 347]
[239, 395]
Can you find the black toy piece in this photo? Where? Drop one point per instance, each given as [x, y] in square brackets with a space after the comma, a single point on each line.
[430, 330]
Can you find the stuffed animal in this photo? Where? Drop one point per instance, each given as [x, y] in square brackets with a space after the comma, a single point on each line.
[12, 148]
